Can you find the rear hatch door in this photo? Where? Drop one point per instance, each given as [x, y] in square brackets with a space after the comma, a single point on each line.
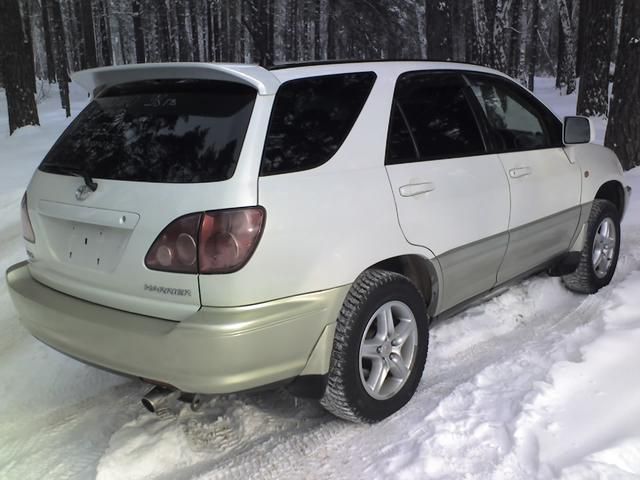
[157, 150]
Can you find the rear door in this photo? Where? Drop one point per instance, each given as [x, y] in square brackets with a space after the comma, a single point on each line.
[452, 195]
[156, 150]
[545, 185]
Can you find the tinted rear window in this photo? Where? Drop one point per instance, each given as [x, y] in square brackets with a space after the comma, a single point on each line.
[169, 131]
[440, 119]
[311, 118]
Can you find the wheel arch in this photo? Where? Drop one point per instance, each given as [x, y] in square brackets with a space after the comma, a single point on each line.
[420, 271]
[614, 192]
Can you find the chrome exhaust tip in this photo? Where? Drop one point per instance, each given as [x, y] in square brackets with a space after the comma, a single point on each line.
[159, 400]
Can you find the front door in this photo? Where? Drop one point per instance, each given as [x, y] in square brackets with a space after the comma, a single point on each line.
[544, 184]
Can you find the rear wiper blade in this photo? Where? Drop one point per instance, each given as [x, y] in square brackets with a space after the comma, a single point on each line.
[64, 169]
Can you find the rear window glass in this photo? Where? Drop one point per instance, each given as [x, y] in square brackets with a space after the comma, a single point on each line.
[440, 119]
[168, 131]
[311, 118]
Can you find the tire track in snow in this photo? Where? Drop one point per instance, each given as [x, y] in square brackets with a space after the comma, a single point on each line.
[456, 427]
[271, 435]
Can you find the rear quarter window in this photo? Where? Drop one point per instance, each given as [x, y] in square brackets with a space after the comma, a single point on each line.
[186, 131]
[311, 118]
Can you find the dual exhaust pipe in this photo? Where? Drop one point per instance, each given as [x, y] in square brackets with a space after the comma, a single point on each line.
[161, 400]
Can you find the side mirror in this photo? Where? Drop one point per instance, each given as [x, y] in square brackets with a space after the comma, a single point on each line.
[578, 130]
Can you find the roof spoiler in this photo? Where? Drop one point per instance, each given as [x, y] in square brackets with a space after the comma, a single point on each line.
[96, 79]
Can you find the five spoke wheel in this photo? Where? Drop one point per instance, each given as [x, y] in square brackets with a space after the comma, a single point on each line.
[388, 350]
[604, 247]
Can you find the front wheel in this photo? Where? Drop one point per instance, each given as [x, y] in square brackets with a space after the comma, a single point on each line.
[599, 255]
[379, 350]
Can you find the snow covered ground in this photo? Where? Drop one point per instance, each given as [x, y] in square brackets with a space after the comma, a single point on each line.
[536, 383]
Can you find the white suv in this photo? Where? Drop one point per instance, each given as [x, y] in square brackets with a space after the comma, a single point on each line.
[216, 228]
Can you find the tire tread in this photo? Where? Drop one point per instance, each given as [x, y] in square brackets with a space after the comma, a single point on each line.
[335, 398]
[583, 279]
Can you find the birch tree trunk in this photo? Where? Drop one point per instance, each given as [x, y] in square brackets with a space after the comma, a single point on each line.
[480, 52]
[498, 41]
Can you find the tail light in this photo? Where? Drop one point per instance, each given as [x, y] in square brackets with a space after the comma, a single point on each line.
[27, 228]
[220, 241]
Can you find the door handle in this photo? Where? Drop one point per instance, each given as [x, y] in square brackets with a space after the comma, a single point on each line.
[414, 189]
[519, 172]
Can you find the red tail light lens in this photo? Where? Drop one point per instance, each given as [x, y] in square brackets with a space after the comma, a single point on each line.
[27, 228]
[175, 248]
[211, 242]
[228, 238]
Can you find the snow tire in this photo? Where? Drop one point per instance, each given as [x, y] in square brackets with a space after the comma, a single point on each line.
[345, 395]
[585, 279]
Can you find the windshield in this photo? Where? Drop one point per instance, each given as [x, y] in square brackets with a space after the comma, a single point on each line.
[171, 131]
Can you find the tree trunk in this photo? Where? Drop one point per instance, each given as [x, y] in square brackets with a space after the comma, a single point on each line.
[593, 96]
[567, 64]
[624, 122]
[195, 31]
[59, 52]
[28, 41]
[533, 44]
[515, 38]
[498, 41]
[16, 63]
[211, 33]
[104, 27]
[77, 21]
[582, 30]
[317, 17]
[138, 32]
[73, 34]
[332, 49]
[48, 40]
[166, 50]
[481, 49]
[89, 35]
[560, 55]
[439, 30]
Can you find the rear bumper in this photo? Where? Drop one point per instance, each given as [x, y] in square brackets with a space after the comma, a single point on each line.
[217, 350]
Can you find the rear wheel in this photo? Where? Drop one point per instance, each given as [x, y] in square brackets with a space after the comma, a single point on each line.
[599, 255]
[379, 350]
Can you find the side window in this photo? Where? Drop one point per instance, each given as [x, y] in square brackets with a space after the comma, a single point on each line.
[311, 118]
[432, 110]
[515, 121]
[400, 145]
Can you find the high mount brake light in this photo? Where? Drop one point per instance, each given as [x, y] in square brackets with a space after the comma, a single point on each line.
[27, 228]
[220, 241]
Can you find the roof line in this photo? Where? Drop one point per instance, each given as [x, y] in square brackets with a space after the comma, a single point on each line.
[313, 63]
